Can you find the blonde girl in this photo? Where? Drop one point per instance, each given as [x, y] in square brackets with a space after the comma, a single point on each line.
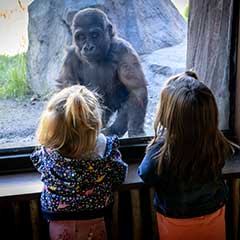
[78, 165]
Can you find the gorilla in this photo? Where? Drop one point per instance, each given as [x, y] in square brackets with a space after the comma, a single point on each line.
[101, 61]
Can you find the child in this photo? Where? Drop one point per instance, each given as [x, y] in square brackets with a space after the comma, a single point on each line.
[78, 165]
[170, 85]
[184, 163]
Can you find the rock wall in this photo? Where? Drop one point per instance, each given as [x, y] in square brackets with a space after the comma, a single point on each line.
[147, 24]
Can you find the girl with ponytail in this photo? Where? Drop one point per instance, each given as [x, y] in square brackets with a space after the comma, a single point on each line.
[79, 166]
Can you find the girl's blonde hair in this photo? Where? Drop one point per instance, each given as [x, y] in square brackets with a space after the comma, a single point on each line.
[194, 147]
[71, 122]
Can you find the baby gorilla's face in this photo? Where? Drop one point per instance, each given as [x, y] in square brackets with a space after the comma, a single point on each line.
[91, 36]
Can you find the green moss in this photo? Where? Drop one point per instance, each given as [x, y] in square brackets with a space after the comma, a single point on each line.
[186, 12]
[13, 83]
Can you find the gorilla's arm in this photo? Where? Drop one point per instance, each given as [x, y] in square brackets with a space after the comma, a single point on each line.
[69, 74]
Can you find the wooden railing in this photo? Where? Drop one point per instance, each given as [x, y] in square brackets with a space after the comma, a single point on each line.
[133, 215]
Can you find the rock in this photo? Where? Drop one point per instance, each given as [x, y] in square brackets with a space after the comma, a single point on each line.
[164, 62]
[157, 67]
[34, 98]
[147, 24]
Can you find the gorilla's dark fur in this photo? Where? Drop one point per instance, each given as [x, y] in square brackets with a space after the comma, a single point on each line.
[104, 62]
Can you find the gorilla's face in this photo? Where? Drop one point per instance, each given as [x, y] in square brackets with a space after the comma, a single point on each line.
[92, 36]
[90, 42]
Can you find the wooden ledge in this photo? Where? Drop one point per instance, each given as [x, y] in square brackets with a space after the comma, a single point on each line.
[28, 185]
[25, 186]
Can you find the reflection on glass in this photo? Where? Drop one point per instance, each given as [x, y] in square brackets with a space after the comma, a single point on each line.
[157, 33]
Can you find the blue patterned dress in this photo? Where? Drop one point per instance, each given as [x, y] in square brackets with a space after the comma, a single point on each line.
[79, 185]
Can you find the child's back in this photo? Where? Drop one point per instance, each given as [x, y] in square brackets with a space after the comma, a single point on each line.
[78, 185]
[184, 164]
[79, 167]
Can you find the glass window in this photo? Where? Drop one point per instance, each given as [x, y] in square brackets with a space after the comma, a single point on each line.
[157, 32]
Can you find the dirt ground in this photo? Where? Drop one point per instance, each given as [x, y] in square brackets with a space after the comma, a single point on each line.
[18, 122]
[19, 119]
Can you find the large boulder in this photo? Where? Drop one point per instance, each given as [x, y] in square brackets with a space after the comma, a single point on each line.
[158, 67]
[147, 24]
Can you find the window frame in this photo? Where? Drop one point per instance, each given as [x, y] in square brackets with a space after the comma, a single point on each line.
[236, 117]
[132, 150]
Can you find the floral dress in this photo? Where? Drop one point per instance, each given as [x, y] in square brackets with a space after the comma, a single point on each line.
[79, 185]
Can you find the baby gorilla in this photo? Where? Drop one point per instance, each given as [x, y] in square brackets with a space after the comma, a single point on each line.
[108, 64]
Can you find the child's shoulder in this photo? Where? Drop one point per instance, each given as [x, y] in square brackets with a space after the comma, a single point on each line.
[158, 143]
[105, 145]
[154, 149]
[44, 152]
[38, 152]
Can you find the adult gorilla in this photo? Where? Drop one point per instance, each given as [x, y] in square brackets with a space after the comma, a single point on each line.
[104, 62]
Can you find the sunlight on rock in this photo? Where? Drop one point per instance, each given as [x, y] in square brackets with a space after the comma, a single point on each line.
[13, 27]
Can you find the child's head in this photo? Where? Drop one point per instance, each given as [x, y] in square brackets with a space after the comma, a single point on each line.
[71, 122]
[191, 112]
[195, 147]
[188, 75]
[171, 84]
